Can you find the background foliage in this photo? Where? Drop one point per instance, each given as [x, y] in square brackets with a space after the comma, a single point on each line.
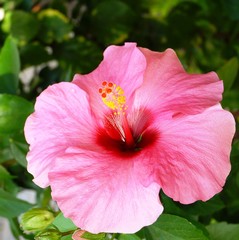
[48, 41]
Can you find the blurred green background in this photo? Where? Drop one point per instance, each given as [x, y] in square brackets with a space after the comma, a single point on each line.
[47, 41]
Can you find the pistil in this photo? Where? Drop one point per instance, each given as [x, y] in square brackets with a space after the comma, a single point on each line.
[113, 97]
[129, 139]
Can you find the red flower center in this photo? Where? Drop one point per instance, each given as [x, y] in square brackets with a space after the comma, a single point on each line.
[110, 138]
[118, 135]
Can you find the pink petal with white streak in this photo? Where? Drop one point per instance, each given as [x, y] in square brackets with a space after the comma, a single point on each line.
[192, 157]
[102, 193]
[62, 118]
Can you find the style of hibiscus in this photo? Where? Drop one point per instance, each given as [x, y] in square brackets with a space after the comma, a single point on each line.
[110, 140]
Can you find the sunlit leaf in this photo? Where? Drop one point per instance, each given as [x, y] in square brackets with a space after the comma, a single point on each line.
[161, 8]
[21, 25]
[54, 25]
[64, 224]
[10, 4]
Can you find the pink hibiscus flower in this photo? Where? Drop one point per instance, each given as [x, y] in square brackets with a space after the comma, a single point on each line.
[110, 140]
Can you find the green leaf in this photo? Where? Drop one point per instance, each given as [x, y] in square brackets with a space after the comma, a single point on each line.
[75, 51]
[19, 151]
[201, 208]
[170, 227]
[198, 208]
[13, 113]
[64, 224]
[6, 181]
[54, 26]
[5, 177]
[68, 237]
[228, 72]
[128, 237]
[49, 234]
[223, 231]
[34, 54]
[11, 4]
[9, 67]
[5, 153]
[230, 99]
[10, 206]
[231, 7]
[112, 28]
[162, 8]
[4, 174]
[15, 228]
[21, 25]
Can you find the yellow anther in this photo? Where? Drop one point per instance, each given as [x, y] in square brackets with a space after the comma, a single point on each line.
[113, 96]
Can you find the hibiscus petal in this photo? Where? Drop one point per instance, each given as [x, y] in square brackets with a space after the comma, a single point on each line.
[101, 193]
[123, 66]
[62, 118]
[167, 87]
[191, 159]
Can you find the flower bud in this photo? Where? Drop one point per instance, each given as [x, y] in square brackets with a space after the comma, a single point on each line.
[36, 219]
[52, 234]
